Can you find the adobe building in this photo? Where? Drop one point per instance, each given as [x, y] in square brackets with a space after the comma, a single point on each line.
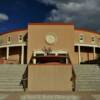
[50, 50]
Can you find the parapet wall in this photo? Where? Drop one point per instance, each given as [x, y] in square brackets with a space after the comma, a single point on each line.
[47, 77]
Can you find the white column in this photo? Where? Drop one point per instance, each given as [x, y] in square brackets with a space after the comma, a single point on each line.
[94, 52]
[22, 54]
[79, 54]
[7, 53]
[56, 54]
[34, 59]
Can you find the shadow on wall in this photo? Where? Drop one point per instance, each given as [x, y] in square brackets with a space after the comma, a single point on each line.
[95, 61]
[25, 37]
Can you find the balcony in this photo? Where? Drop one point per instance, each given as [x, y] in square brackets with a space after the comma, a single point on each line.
[11, 44]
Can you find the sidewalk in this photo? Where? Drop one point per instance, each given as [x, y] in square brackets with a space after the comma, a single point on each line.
[50, 96]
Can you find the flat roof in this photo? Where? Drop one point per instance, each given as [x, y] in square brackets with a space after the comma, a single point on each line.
[86, 30]
[13, 30]
[51, 23]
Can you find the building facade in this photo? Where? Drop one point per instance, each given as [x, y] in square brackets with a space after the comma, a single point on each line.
[50, 50]
[19, 46]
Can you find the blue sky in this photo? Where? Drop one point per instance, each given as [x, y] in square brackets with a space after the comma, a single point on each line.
[16, 14]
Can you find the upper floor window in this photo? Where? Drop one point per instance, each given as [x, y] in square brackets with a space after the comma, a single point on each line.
[93, 39]
[9, 39]
[81, 38]
[20, 38]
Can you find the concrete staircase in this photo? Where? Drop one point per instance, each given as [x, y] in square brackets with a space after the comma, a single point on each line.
[49, 97]
[87, 77]
[10, 77]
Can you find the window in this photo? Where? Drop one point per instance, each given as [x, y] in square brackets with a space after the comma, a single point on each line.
[20, 38]
[81, 38]
[93, 39]
[9, 39]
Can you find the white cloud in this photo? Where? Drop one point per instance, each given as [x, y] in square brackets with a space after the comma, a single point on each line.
[3, 17]
[85, 13]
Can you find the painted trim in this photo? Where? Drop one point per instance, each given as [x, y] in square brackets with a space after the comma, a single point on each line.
[52, 52]
[86, 45]
[13, 45]
[51, 23]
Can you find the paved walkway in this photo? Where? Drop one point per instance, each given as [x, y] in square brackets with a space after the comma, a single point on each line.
[50, 96]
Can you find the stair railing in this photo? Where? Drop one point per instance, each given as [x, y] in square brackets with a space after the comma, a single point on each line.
[24, 79]
[24, 83]
[73, 78]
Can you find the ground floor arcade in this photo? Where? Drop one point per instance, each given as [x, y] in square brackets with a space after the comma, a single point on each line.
[13, 53]
[86, 53]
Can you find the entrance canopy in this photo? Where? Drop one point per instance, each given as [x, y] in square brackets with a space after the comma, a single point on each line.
[55, 56]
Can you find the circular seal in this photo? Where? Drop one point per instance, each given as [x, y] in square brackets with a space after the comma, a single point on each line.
[50, 39]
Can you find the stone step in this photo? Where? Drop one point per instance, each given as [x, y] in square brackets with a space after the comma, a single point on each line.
[88, 85]
[49, 97]
[10, 73]
[9, 83]
[10, 86]
[84, 76]
[88, 81]
[12, 69]
[13, 65]
[5, 79]
[87, 67]
[88, 78]
[86, 72]
[9, 69]
[90, 70]
[95, 90]
[11, 90]
[10, 77]
[88, 75]
[83, 73]
[16, 71]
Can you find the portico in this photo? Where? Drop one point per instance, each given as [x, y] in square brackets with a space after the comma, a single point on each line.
[8, 47]
[40, 56]
[86, 46]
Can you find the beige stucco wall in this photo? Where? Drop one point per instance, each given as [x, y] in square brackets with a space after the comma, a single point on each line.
[85, 56]
[14, 52]
[64, 38]
[49, 77]
[87, 36]
[14, 36]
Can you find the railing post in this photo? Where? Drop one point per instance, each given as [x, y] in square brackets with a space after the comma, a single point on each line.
[22, 54]
[7, 53]
[94, 52]
[79, 53]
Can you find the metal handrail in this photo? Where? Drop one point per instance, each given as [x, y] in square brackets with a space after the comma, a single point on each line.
[73, 79]
[23, 82]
